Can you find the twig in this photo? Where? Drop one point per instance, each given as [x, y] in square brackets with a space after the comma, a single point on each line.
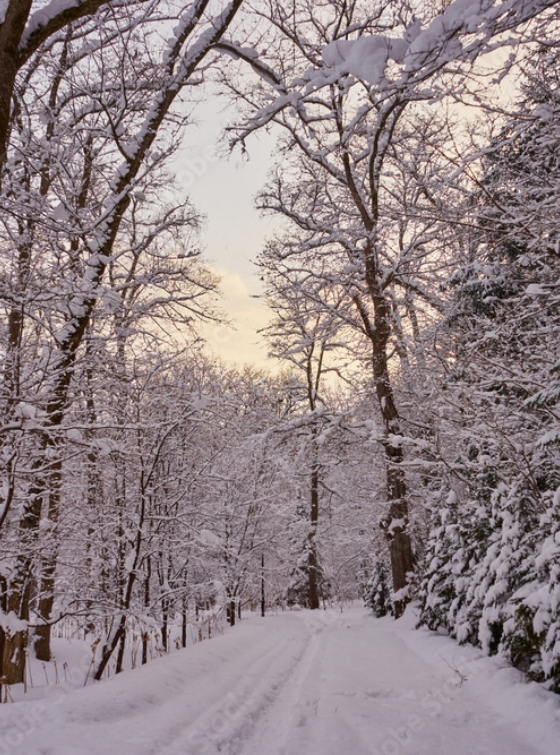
[462, 677]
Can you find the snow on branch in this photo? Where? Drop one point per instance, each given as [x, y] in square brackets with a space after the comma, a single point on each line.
[463, 30]
[53, 17]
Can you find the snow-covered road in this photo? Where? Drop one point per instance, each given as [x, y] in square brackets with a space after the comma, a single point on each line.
[301, 683]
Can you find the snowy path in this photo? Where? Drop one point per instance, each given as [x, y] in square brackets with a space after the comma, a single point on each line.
[301, 683]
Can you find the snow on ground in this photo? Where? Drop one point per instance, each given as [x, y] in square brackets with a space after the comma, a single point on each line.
[300, 683]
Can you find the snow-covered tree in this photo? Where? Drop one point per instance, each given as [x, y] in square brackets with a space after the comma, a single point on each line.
[306, 333]
[96, 114]
[501, 390]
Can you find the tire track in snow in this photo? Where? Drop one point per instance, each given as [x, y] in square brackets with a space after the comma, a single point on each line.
[221, 720]
[237, 721]
[284, 714]
[227, 724]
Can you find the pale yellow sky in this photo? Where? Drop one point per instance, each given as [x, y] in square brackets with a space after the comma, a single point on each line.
[239, 344]
[224, 188]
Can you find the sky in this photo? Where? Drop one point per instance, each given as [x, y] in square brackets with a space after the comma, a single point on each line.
[223, 189]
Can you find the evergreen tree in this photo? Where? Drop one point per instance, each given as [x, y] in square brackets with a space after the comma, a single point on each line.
[377, 592]
[493, 575]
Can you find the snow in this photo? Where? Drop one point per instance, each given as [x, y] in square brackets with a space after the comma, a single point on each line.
[61, 213]
[44, 15]
[463, 29]
[302, 682]
[365, 58]
[210, 538]
[10, 622]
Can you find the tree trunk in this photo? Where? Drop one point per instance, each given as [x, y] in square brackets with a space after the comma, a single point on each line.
[3, 607]
[165, 624]
[146, 635]
[11, 32]
[120, 654]
[184, 627]
[145, 640]
[396, 522]
[119, 635]
[48, 566]
[231, 612]
[13, 658]
[12, 645]
[312, 561]
[20, 585]
[109, 647]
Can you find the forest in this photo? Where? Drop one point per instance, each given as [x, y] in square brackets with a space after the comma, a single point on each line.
[406, 445]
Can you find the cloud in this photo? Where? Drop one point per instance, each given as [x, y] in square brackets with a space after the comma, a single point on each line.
[241, 343]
